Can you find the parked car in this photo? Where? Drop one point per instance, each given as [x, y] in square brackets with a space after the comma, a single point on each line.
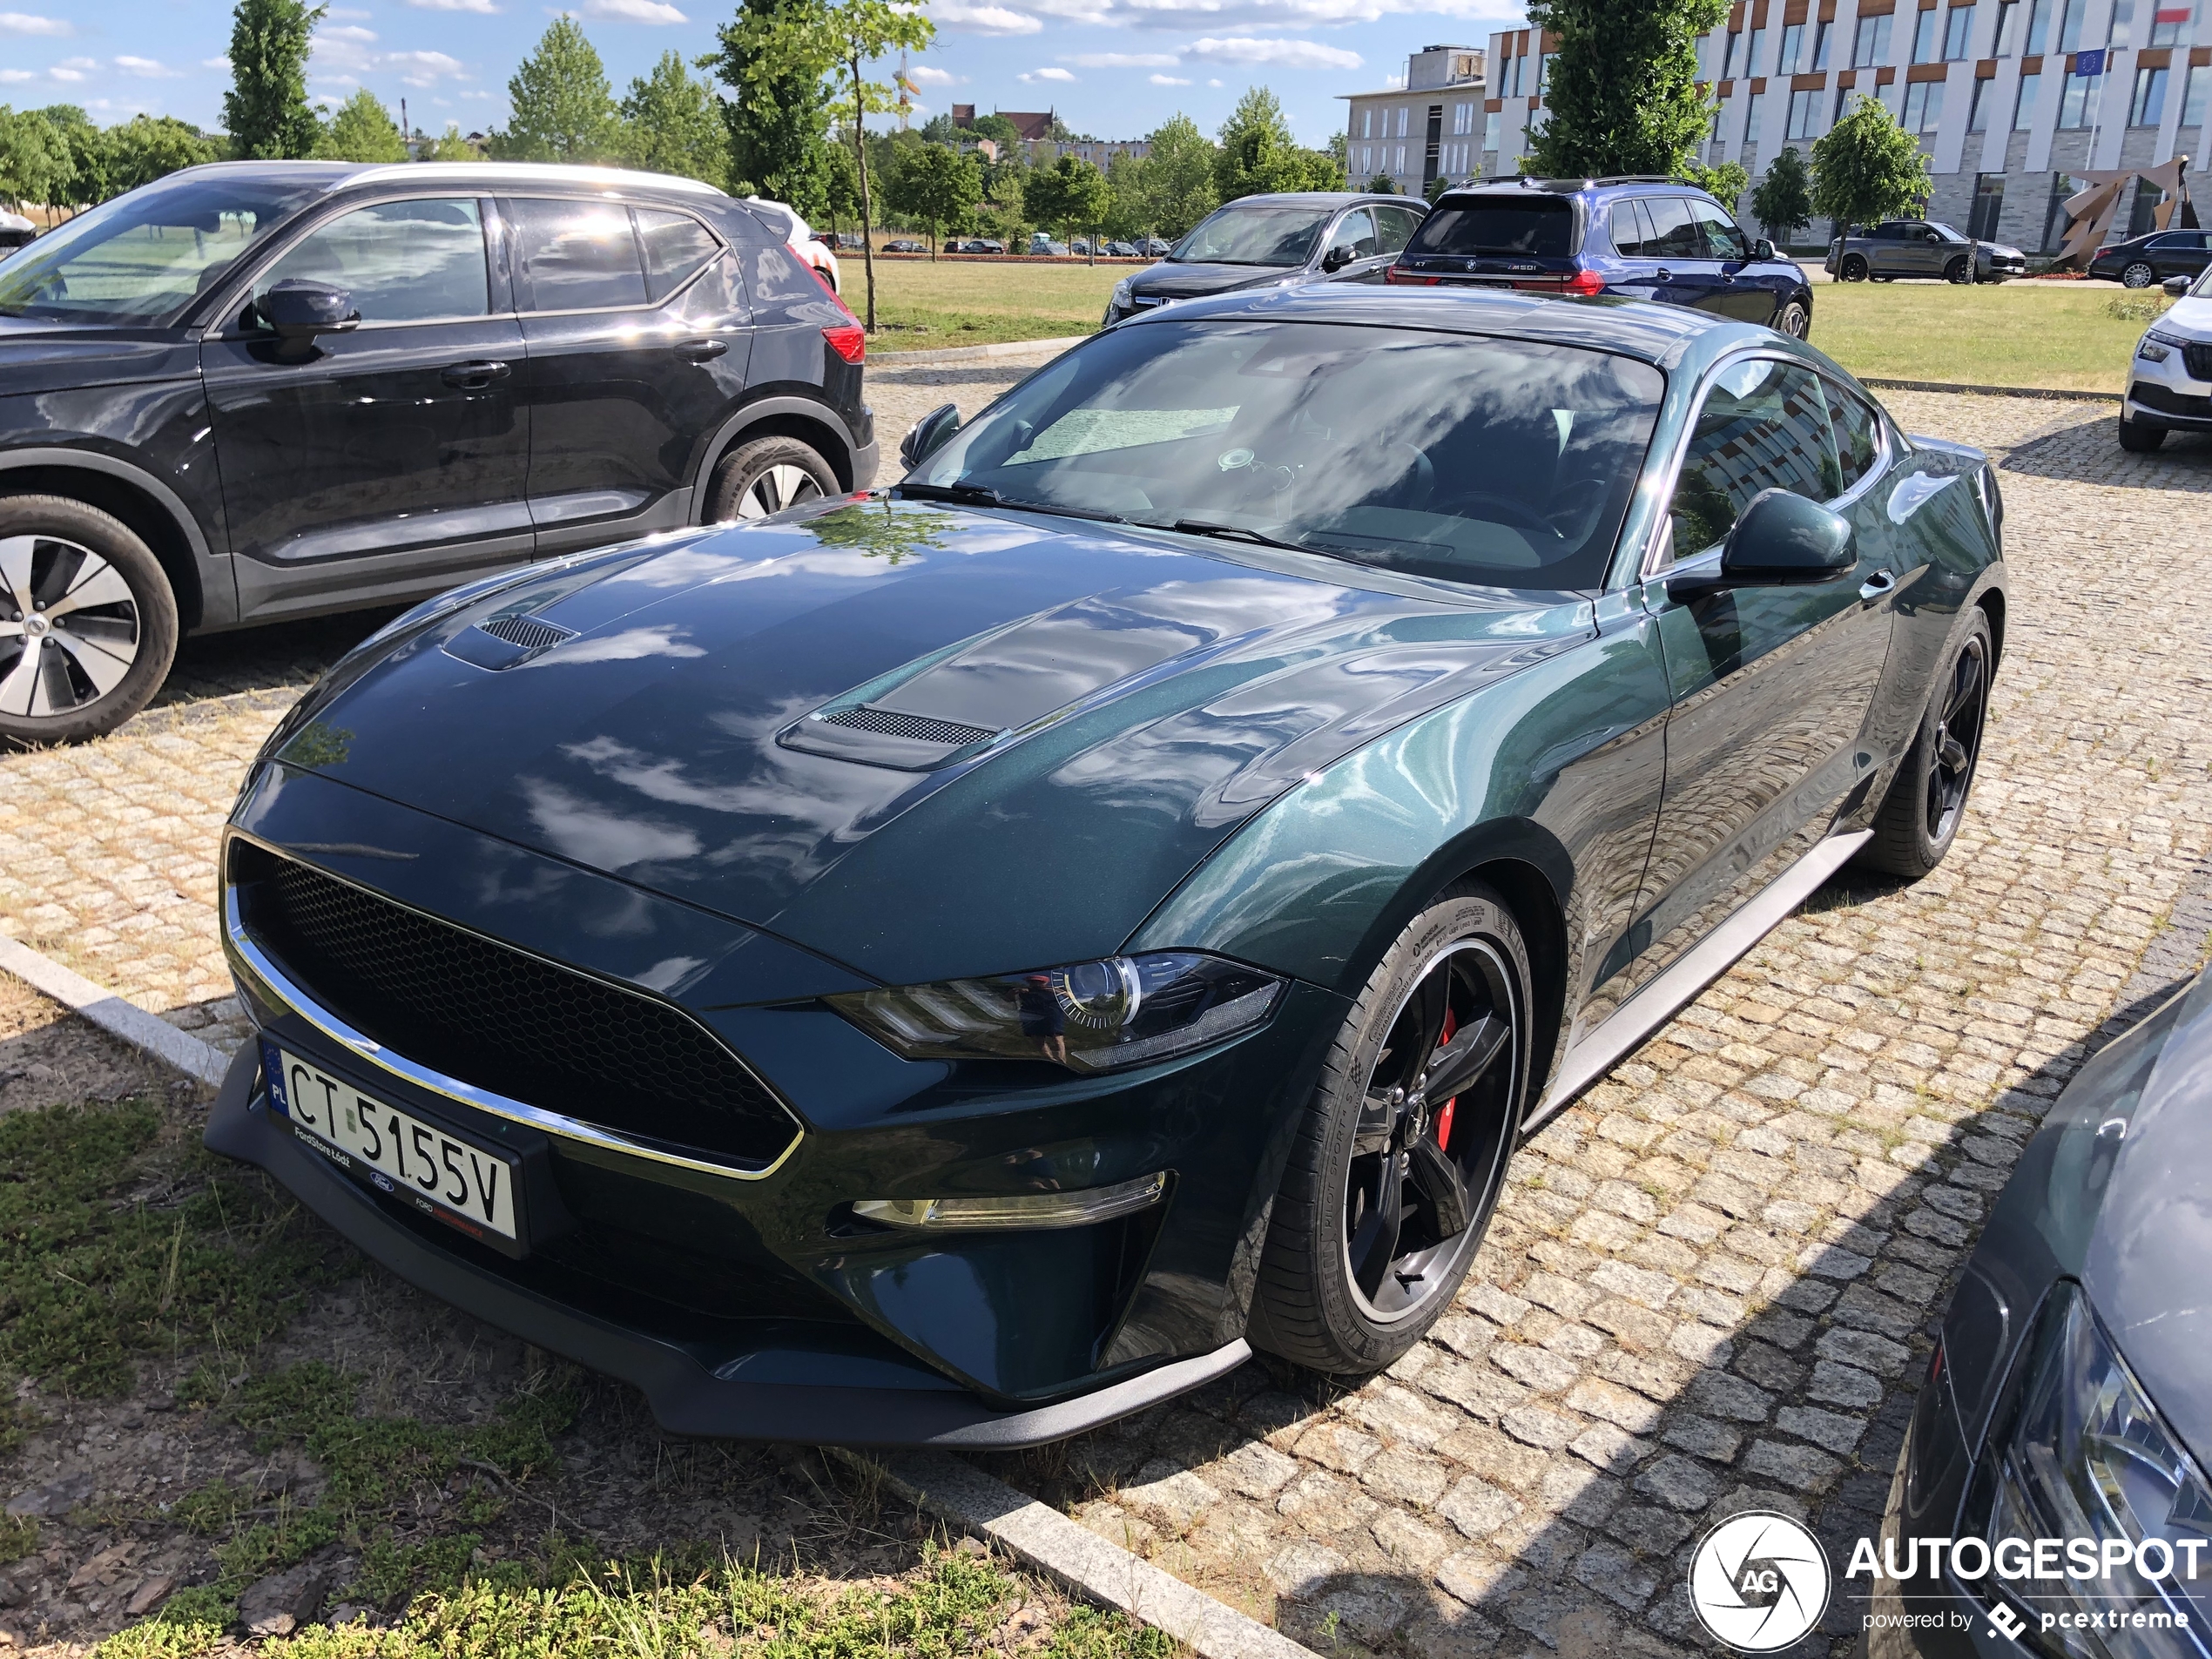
[1122, 250]
[2067, 1397]
[965, 964]
[16, 230]
[2142, 260]
[2169, 377]
[978, 245]
[1044, 246]
[1920, 248]
[809, 245]
[905, 245]
[1155, 248]
[1265, 241]
[330, 386]
[1640, 239]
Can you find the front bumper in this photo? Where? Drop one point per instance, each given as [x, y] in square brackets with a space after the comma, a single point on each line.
[2164, 395]
[784, 1387]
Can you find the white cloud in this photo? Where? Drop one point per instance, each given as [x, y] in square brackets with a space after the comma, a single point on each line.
[10, 76]
[22, 22]
[214, 62]
[73, 69]
[1213, 83]
[420, 69]
[483, 7]
[1057, 75]
[1274, 54]
[146, 68]
[966, 17]
[1122, 60]
[649, 11]
[928, 75]
[1167, 80]
[349, 33]
[348, 14]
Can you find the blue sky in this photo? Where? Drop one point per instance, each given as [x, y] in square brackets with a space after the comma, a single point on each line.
[1115, 68]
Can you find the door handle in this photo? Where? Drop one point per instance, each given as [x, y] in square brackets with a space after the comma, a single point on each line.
[701, 351]
[475, 375]
[1876, 585]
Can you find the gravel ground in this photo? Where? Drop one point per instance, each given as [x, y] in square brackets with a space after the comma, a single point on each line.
[1711, 1283]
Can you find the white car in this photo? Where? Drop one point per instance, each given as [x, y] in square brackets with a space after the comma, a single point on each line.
[802, 239]
[2169, 379]
[14, 230]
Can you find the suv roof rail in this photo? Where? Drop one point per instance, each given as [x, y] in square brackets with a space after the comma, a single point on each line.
[1637, 178]
[1557, 186]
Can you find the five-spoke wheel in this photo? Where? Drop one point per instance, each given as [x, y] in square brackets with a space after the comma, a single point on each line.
[765, 477]
[1920, 815]
[88, 624]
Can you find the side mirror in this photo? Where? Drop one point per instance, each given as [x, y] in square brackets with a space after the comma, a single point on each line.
[1932, 237]
[1781, 539]
[2176, 286]
[929, 434]
[1763, 249]
[1336, 259]
[298, 310]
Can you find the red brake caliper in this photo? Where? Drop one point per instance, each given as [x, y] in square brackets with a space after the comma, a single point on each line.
[1444, 1117]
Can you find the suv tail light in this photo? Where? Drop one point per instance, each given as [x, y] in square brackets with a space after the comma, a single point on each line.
[848, 340]
[1398, 273]
[1585, 281]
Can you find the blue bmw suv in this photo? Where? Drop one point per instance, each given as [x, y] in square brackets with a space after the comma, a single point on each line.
[1642, 238]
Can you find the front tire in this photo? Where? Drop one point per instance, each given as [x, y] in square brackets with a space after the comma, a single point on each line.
[2138, 275]
[765, 477]
[88, 621]
[1920, 816]
[1794, 321]
[1392, 1179]
[2140, 437]
[1854, 268]
[1959, 271]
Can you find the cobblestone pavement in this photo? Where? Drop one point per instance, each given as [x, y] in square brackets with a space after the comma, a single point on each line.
[1710, 1284]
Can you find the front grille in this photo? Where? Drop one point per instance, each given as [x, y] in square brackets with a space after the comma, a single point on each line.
[505, 1021]
[2197, 357]
[890, 724]
[527, 632]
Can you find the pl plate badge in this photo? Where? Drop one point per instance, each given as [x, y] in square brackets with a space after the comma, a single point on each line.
[1758, 1581]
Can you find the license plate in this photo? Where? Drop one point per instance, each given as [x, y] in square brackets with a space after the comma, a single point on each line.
[398, 1153]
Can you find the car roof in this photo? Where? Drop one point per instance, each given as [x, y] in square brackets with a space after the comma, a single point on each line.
[338, 174]
[1639, 185]
[1326, 199]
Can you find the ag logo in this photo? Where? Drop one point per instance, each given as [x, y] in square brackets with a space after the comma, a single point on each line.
[1758, 1581]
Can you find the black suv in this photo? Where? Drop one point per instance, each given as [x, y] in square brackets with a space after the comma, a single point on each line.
[252, 391]
[1258, 240]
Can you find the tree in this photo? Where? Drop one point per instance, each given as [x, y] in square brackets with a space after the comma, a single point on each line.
[776, 116]
[1179, 177]
[840, 181]
[451, 146]
[34, 156]
[1000, 130]
[1258, 156]
[85, 178]
[560, 107]
[671, 125]
[939, 128]
[147, 147]
[1069, 194]
[1724, 182]
[936, 187]
[266, 108]
[1868, 168]
[1784, 200]
[361, 130]
[1382, 185]
[1622, 95]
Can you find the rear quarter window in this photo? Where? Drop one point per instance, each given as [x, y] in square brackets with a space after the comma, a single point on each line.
[1542, 227]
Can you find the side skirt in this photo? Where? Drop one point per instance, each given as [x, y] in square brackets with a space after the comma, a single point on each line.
[1598, 1051]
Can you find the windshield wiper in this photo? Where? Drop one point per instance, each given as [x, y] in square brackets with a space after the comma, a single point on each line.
[1229, 533]
[984, 495]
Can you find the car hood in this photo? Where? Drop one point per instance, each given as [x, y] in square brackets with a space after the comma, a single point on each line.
[1043, 727]
[1167, 282]
[2144, 1269]
[2190, 317]
[38, 356]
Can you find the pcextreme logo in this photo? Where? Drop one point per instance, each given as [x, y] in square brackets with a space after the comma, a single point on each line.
[1758, 1581]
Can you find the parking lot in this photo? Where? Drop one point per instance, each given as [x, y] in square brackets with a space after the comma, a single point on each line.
[1711, 1282]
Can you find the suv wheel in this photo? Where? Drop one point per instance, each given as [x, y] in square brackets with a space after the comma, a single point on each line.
[1960, 270]
[1854, 268]
[765, 477]
[88, 622]
[2139, 437]
[1794, 321]
[2138, 275]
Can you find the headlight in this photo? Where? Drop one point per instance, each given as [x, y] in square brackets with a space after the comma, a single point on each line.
[1088, 1016]
[2079, 1453]
[2155, 345]
[1121, 294]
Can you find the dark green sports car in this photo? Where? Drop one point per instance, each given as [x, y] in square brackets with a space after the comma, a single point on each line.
[961, 963]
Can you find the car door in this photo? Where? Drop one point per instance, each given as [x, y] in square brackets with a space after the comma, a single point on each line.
[1887, 252]
[1685, 273]
[1770, 687]
[636, 337]
[387, 460]
[1352, 239]
[2178, 253]
[1395, 227]
[1739, 293]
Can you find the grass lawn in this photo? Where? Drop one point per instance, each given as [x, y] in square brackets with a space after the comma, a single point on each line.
[919, 305]
[2066, 338]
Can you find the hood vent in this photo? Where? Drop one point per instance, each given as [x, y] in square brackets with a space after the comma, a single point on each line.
[504, 642]
[890, 724]
[527, 632]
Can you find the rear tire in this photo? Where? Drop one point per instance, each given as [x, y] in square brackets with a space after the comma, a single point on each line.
[1854, 268]
[765, 477]
[2140, 437]
[88, 621]
[2138, 275]
[1920, 816]
[1381, 1174]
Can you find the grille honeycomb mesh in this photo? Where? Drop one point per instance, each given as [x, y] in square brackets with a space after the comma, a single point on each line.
[2198, 356]
[505, 1021]
[919, 727]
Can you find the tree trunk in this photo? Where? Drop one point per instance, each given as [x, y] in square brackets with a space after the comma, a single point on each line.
[861, 157]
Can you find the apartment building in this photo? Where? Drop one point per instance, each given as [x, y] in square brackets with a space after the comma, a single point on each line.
[2010, 98]
[1430, 127]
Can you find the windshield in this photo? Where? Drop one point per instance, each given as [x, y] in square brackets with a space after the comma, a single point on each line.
[146, 255]
[1491, 461]
[1947, 233]
[1541, 228]
[1262, 233]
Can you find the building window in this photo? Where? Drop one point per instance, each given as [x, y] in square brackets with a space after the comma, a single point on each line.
[1402, 115]
[1543, 73]
[2024, 108]
[2077, 15]
[1728, 57]
[1804, 114]
[1924, 38]
[2142, 220]
[2195, 105]
[1872, 44]
[1755, 59]
[1958, 24]
[2169, 24]
[2001, 42]
[2040, 13]
[1820, 39]
[1989, 202]
[2054, 212]
[1366, 124]
[2074, 102]
[2147, 108]
[1793, 45]
[1399, 167]
[1978, 112]
[1923, 106]
[1490, 130]
[1752, 106]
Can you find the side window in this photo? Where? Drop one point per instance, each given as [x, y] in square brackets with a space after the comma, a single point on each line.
[1858, 435]
[402, 261]
[1723, 239]
[1673, 234]
[1355, 233]
[1764, 426]
[1395, 227]
[1888, 233]
[1628, 230]
[676, 245]
[577, 256]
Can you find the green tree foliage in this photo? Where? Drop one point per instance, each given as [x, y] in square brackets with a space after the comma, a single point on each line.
[1783, 203]
[1725, 184]
[87, 179]
[147, 147]
[777, 114]
[1258, 156]
[939, 128]
[34, 156]
[1868, 168]
[266, 108]
[1070, 194]
[1622, 93]
[671, 125]
[840, 182]
[362, 129]
[936, 187]
[560, 107]
[1000, 130]
[1382, 184]
[1179, 177]
[451, 146]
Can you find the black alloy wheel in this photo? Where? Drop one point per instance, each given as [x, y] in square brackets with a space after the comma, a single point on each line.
[1920, 816]
[1794, 321]
[1960, 270]
[1402, 1152]
[1854, 268]
[2138, 275]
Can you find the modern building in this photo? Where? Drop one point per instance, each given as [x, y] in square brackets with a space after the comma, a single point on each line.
[2010, 98]
[1030, 124]
[1100, 152]
[1429, 128]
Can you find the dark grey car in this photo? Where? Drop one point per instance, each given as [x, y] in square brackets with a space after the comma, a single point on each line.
[1258, 240]
[1920, 248]
[2070, 1397]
